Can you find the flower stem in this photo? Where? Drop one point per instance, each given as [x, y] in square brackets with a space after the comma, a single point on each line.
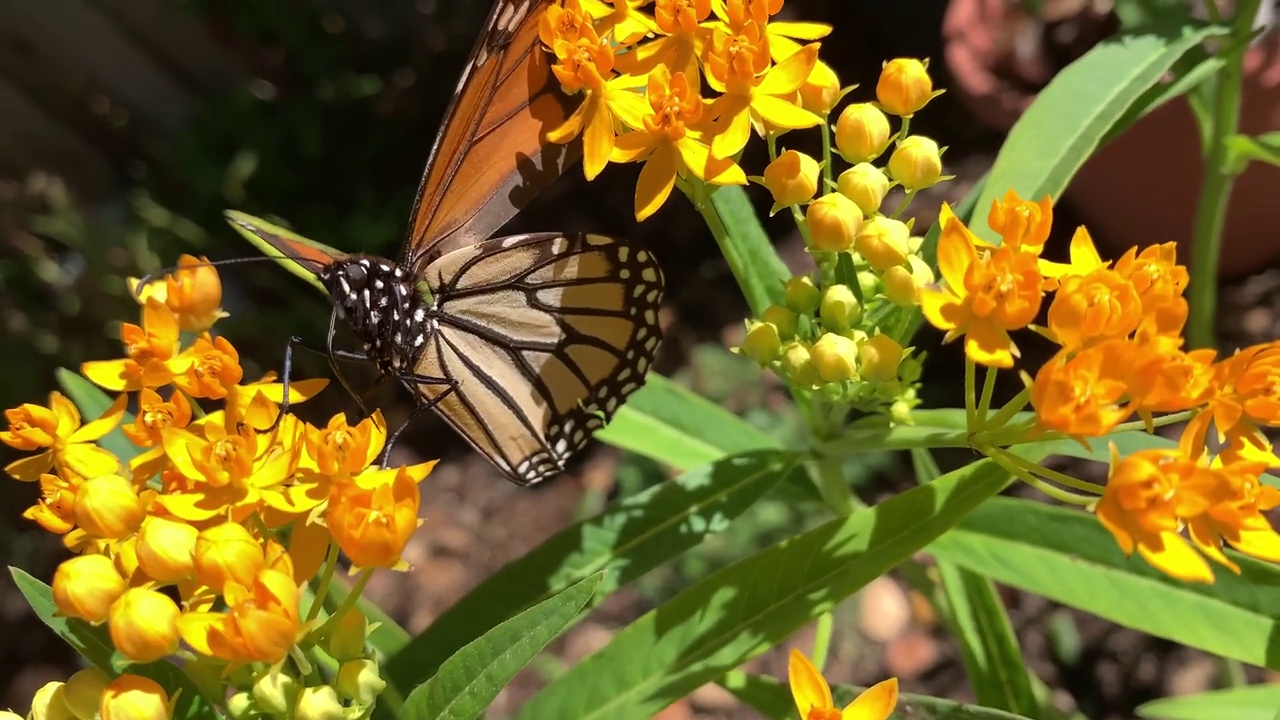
[822, 639]
[984, 405]
[833, 487]
[970, 391]
[826, 157]
[348, 603]
[1011, 408]
[326, 579]
[1219, 177]
[1052, 475]
[1002, 459]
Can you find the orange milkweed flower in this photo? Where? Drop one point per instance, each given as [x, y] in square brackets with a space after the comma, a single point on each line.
[566, 21]
[372, 515]
[813, 695]
[1079, 396]
[666, 140]
[55, 510]
[1084, 259]
[1022, 223]
[194, 293]
[622, 19]
[1093, 308]
[681, 37]
[208, 368]
[1236, 500]
[1164, 378]
[989, 291]
[68, 444]
[144, 624]
[261, 624]
[154, 415]
[226, 553]
[1142, 508]
[1154, 273]
[149, 351]
[341, 450]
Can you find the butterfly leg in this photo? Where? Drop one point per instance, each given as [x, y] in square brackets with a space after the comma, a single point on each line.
[287, 372]
[413, 380]
[333, 364]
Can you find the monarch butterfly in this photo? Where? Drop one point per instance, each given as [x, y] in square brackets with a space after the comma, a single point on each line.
[524, 344]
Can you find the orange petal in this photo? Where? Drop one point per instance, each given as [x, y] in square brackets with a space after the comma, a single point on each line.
[876, 703]
[656, 180]
[808, 687]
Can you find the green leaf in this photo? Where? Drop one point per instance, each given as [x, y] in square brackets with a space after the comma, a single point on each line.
[976, 616]
[772, 699]
[750, 253]
[92, 401]
[469, 680]
[94, 645]
[1068, 557]
[1077, 110]
[752, 605]
[666, 422]
[627, 540]
[1259, 702]
[1243, 149]
[256, 230]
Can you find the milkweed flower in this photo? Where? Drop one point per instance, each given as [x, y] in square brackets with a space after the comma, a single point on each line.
[67, 444]
[813, 697]
[192, 292]
[150, 349]
[373, 514]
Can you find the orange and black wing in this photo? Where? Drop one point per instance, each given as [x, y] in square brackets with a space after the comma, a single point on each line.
[490, 159]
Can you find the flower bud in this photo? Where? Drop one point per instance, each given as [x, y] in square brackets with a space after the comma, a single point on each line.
[346, 641]
[840, 308]
[318, 703]
[797, 366]
[83, 692]
[144, 625]
[762, 342]
[802, 296]
[902, 284]
[132, 697]
[241, 707]
[166, 549]
[226, 552]
[125, 558]
[864, 184]
[792, 178]
[916, 163]
[85, 586]
[862, 132]
[50, 702]
[882, 242]
[359, 680]
[11, 715]
[275, 692]
[835, 358]
[878, 359]
[108, 507]
[900, 413]
[821, 90]
[781, 318]
[833, 221]
[194, 293]
[904, 86]
[870, 283]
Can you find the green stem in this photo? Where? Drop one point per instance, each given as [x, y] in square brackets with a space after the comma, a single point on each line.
[822, 639]
[970, 390]
[1010, 409]
[1017, 471]
[833, 487]
[326, 579]
[348, 603]
[984, 405]
[827, 172]
[1215, 193]
[1052, 475]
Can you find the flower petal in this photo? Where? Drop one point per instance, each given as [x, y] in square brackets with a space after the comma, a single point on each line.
[656, 180]
[875, 703]
[787, 76]
[783, 113]
[808, 687]
[106, 423]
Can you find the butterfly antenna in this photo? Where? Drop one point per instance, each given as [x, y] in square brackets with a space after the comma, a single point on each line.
[155, 276]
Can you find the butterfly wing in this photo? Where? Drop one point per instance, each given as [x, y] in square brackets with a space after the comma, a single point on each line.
[309, 257]
[489, 159]
[543, 337]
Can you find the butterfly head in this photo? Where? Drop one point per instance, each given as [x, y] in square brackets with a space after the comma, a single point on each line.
[385, 309]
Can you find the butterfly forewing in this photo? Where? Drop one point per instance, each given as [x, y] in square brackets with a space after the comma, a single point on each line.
[543, 337]
[489, 159]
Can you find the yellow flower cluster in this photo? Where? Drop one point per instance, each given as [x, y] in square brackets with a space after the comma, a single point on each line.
[681, 89]
[202, 529]
[1119, 328]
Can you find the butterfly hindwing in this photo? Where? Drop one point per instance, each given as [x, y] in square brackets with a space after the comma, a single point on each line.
[543, 336]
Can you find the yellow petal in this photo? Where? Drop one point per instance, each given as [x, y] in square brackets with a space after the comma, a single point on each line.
[632, 147]
[656, 180]
[787, 76]
[783, 114]
[90, 460]
[66, 412]
[798, 30]
[988, 345]
[597, 141]
[876, 703]
[733, 128]
[629, 107]
[1172, 555]
[29, 469]
[103, 425]
[570, 128]
[109, 374]
[955, 251]
[808, 687]
[308, 545]
[941, 308]
[721, 171]
[1084, 256]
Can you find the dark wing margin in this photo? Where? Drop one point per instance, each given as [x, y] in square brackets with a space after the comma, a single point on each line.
[489, 158]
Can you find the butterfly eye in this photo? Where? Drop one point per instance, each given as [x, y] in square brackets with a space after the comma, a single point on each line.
[356, 275]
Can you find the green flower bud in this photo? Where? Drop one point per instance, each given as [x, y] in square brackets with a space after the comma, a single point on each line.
[900, 413]
[781, 318]
[797, 366]
[358, 680]
[878, 359]
[241, 706]
[762, 343]
[275, 693]
[318, 703]
[840, 308]
[83, 692]
[835, 357]
[347, 640]
[802, 296]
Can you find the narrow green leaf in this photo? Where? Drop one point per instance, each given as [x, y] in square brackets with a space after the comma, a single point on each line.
[750, 253]
[1078, 109]
[626, 541]
[94, 645]
[469, 680]
[752, 605]
[255, 229]
[976, 616]
[1258, 702]
[1068, 557]
[1243, 149]
[92, 401]
[666, 422]
[773, 699]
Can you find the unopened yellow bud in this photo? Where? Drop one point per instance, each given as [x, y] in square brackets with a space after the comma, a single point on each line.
[802, 296]
[878, 359]
[227, 552]
[819, 93]
[835, 357]
[83, 692]
[864, 184]
[240, 706]
[797, 365]
[862, 132]
[133, 697]
[781, 318]
[904, 86]
[85, 586]
[166, 549]
[108, 507]
[11, 715]
[882, 242]
[833, 221]
[900, 413]
[50, 702]
[792, 178]
[916, 163]
[318, 703]
[840, 308]
[347, 640]
[359, 680]
[902, 284]
[762, 342]
[144, 625]
[870, 283]
[275, 693]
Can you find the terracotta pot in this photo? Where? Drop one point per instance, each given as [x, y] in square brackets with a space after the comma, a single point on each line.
[1142, 187]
